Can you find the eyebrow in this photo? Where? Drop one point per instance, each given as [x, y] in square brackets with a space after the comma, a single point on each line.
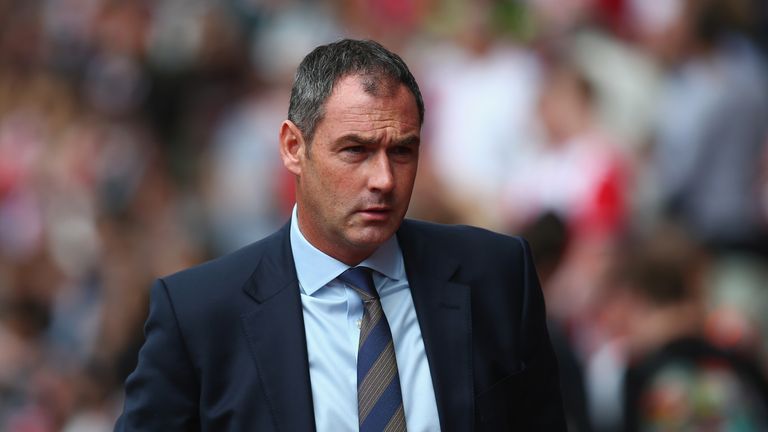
[413, 140]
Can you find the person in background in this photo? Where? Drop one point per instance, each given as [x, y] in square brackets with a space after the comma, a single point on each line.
[548, 237]
[677, 379]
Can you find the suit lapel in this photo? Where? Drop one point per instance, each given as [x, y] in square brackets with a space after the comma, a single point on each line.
[443, 309]
[275, 333]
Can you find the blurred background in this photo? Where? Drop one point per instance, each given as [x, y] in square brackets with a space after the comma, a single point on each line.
[626, 139]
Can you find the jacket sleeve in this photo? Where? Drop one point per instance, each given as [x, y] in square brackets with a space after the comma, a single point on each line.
[162, 393]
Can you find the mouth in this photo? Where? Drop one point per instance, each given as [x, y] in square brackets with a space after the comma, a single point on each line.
[376, 213]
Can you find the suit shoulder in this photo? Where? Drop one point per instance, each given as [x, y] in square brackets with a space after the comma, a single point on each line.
[232, 269]
[454, 236]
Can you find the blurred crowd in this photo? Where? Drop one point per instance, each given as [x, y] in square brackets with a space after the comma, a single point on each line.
[626, 139]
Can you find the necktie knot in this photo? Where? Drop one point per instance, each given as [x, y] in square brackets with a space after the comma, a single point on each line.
[361, 280]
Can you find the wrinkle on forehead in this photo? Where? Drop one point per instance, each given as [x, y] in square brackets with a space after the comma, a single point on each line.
[352, 109]
[373, 121]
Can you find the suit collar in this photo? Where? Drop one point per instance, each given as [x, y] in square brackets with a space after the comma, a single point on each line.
[275, 269]
[443, 309]
[275, 332]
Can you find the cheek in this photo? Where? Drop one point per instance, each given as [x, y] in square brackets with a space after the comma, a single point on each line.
[335, 189]
[407, 178]
[334, 185]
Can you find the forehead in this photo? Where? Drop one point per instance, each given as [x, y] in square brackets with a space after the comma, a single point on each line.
[370, 103]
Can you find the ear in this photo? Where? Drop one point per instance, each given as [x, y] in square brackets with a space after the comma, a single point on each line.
[292, 147]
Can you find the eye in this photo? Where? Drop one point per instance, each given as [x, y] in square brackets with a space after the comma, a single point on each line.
[354, 153]
[402, 150]
[355, 149]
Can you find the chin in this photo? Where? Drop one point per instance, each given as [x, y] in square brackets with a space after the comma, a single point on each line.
[372, 237]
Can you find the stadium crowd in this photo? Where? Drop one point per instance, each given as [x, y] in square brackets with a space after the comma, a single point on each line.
[626, 139]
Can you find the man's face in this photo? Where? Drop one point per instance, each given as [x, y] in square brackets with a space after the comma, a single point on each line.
[355, 179]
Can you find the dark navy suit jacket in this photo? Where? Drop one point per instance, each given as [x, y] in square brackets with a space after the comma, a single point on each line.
[225, 347]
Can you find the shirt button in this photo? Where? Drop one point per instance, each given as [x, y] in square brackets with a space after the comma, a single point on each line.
[359, 324]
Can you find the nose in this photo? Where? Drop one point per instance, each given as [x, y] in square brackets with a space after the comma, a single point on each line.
[381, 178]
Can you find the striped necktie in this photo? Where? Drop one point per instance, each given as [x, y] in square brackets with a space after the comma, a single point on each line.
[379, 401]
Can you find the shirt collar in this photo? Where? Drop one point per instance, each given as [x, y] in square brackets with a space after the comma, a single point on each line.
[315, 269]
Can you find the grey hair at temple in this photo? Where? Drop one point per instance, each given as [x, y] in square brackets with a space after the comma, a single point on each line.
[327, 64]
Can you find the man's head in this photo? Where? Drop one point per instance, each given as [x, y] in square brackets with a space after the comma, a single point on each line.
[360, 109]
[327, 64]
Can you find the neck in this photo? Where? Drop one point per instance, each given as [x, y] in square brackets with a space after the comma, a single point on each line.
[350, 255]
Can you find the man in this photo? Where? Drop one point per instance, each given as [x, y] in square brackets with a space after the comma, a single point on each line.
[350, 318]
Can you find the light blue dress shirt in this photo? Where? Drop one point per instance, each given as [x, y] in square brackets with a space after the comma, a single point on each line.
[332, 313]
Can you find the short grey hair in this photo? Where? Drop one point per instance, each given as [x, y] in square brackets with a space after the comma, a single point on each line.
[322, 68]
